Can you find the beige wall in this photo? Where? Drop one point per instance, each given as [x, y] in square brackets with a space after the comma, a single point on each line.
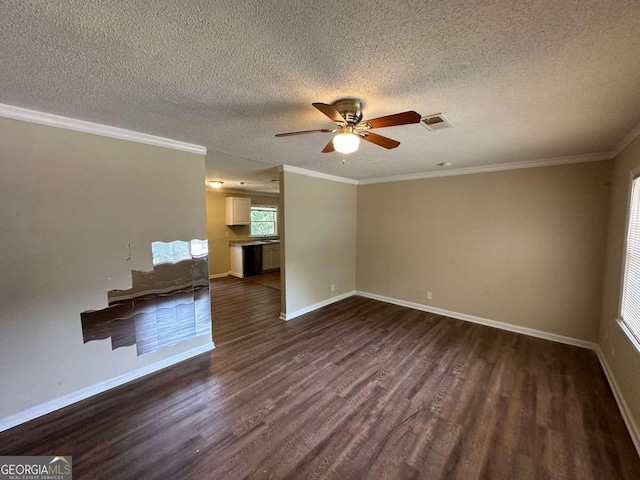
[70, 205]
[283, 241]
[524, 247]
[624, 360]
[319, 239]
[219, 233]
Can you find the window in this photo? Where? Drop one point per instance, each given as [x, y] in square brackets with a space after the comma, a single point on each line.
[199, 248]
[630, 304]
[264, 220]
[177, 251]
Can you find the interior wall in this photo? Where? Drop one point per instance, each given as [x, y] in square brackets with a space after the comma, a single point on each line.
[220, 234]
[283, 241]
[620, 354]
[320, 239]
[523, 247]
[78, 212]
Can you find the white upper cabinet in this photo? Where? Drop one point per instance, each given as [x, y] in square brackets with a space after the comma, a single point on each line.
[238, 211]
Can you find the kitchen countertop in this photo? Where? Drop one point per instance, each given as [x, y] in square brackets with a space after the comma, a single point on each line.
[257, 242]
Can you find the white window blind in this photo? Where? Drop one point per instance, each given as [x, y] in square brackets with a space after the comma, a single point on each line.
[630, 309]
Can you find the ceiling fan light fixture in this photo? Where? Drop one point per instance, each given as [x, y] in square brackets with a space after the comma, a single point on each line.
[346, 142]
[346, 113]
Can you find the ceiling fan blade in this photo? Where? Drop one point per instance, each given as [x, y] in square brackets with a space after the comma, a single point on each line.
[330, 111]
[404, 118]
[329, 147]
[303, 132]
[379, 140]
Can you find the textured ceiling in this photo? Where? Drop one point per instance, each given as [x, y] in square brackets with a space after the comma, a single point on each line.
[520, 80]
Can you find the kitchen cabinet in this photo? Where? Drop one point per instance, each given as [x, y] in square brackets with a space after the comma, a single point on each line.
[253, 258]
[238, 211]
[246, 260]
[270, 257]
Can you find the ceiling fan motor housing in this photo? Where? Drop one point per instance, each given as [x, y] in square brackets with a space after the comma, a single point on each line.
[350, 109]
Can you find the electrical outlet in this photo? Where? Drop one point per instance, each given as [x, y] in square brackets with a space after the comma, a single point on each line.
[333, 287]
[429, 296]
[226, 234]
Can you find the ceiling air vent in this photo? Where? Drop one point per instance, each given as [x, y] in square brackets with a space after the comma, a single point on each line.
[437, 121]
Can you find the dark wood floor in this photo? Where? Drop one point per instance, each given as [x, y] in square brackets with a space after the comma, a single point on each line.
[270, 279]
[240, 306]
[358, 389]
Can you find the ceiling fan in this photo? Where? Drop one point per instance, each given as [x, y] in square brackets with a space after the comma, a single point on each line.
[347, 114]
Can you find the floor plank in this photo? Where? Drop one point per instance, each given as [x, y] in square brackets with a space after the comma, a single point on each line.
[240, 306]
[358, 389]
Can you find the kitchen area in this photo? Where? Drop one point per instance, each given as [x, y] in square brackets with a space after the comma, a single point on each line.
[254, 257]
[229, 224]
[249, 257]
[244, 262]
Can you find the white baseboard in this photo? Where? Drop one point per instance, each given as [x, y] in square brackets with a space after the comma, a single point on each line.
[236, 274]
[315, 306]
[218, 275]
[482, 321]
[84, 393]
[630, 422]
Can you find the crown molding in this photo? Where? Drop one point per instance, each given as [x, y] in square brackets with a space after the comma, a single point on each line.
[312, 173]
[48, 119]
[239, 191]
[51, 120]
[624, 143]
[547, 162]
